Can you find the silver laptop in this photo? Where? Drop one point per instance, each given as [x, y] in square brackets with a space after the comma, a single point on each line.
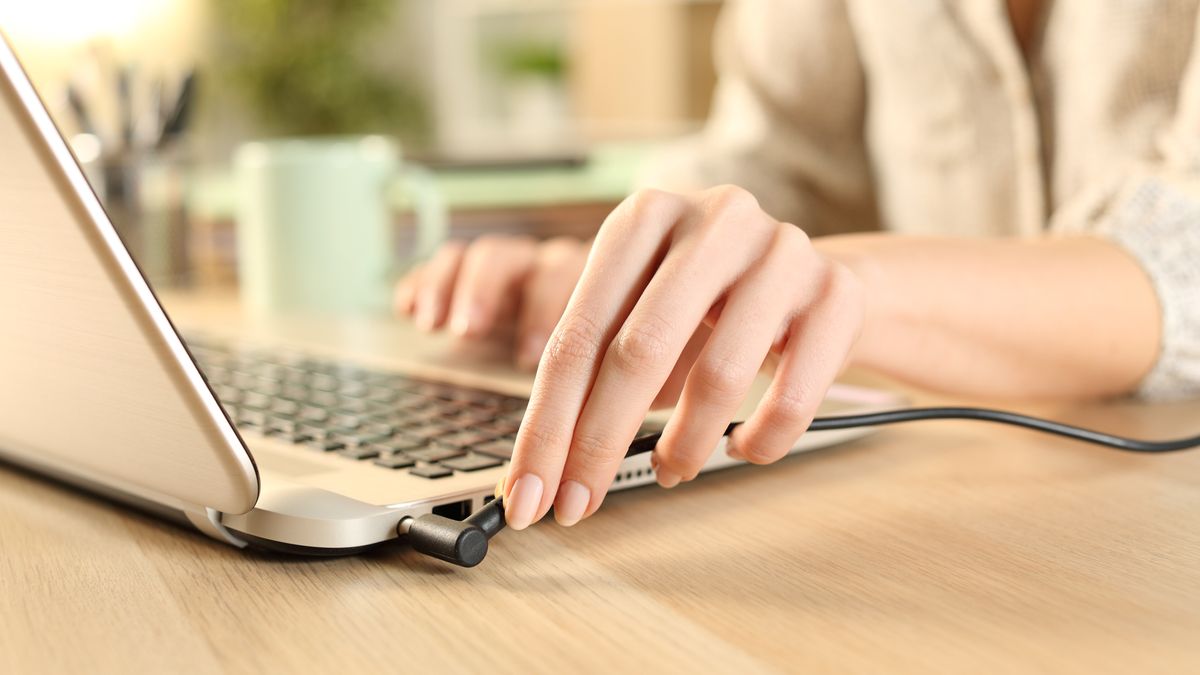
[291, 434]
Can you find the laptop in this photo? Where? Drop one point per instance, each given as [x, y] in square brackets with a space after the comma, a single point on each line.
[295, 434]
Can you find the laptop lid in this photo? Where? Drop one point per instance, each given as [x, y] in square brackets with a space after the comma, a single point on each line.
[93, 377]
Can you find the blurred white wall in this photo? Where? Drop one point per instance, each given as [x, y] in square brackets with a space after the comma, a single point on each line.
[58, 39]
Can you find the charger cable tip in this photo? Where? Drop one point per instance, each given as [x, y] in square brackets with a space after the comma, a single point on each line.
[459, 542]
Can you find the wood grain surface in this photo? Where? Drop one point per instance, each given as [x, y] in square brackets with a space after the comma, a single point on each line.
[938, 547]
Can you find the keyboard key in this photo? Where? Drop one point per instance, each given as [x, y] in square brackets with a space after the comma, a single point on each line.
[277, 424]
[435, 453]
[359, 453]
[285, 407]
[401, 443]
[323, 382]
[378, 428]
[499, 427]
[324, 399]
[429, 430]
[227, 394]
[297, 438]
[430, 471]
[395, 461]
[382, 395]
[327, 445]
[471, 463]
[473, 418]
[500, 448]
[256, 400]
[514, 403]
[464, 439]
[314, 414]
[408, 401]
[250, 417]
[363, 439]
[294, 392]
[353, 389]
[513, 415]
[314, 431]
[346, 421]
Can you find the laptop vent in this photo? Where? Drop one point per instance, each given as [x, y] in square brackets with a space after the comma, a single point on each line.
[630, 475]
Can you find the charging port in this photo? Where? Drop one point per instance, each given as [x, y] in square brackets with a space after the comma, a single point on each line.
[454, 510]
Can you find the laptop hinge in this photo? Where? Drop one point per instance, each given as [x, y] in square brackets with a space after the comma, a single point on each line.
[208, 521]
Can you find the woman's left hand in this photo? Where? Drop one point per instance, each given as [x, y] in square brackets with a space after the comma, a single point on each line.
[663, 266]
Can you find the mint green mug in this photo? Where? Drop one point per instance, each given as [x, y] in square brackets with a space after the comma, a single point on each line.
[316, 229]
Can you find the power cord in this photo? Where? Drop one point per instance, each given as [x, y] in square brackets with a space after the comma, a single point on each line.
[465, 542]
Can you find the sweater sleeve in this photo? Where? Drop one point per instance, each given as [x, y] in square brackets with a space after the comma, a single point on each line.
[787, 117]
[1152, 209]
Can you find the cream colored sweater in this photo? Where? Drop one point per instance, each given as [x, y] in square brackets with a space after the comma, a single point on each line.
[924, 117]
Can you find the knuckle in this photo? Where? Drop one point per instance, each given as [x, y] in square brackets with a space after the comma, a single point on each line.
[732, 200]
[794, 239]
[790, 407]
[845, 287]
[535, 441]
[721, 378]
[685, 460]
[451, 249]
[761, 454]
[732, 195]
[647, 204]
[766, 444]
[591, 452]
[489, 242]
[576, 342]
[559, 247]
[641, 345]
[645, 199]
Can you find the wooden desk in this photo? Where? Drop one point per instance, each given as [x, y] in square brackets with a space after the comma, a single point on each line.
[939, 547]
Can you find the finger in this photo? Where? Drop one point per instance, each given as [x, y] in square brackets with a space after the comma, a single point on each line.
[492, 270]
[404, 300]
[752, 319]
[548, 288]
[637, 362]
[437, 285]
[673, 387]
[818, 345]
[622, 259]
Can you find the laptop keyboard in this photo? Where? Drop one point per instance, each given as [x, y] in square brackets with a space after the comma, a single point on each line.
[397, 422]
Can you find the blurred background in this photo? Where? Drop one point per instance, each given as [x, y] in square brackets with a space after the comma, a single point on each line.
[201, 123]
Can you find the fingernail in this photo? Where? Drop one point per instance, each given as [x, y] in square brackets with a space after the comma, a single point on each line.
[499, 491]
[425, 314]
[466, 322]
[571, 503]
[667, 478]
[460, 325]
[522, 504]
[654, 461]
[733, 451]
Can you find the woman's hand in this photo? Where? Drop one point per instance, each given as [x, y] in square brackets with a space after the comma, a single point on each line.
[495, 281]
[662, 266]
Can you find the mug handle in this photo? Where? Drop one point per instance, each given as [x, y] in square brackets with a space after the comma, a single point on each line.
[428, 206]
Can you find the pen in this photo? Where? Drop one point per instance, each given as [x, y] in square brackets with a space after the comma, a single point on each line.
[177, 120]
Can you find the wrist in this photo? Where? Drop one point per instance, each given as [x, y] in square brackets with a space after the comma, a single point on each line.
[855, 253]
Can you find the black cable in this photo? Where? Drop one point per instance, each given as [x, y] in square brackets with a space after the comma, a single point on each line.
[646, 443]
[465, 542]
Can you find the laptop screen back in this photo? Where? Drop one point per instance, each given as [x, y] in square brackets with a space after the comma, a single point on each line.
[93, 379]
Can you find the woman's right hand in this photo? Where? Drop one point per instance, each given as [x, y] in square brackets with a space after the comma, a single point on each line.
[493, 282]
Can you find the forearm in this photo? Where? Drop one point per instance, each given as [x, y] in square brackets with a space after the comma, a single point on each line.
[1074, 318]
